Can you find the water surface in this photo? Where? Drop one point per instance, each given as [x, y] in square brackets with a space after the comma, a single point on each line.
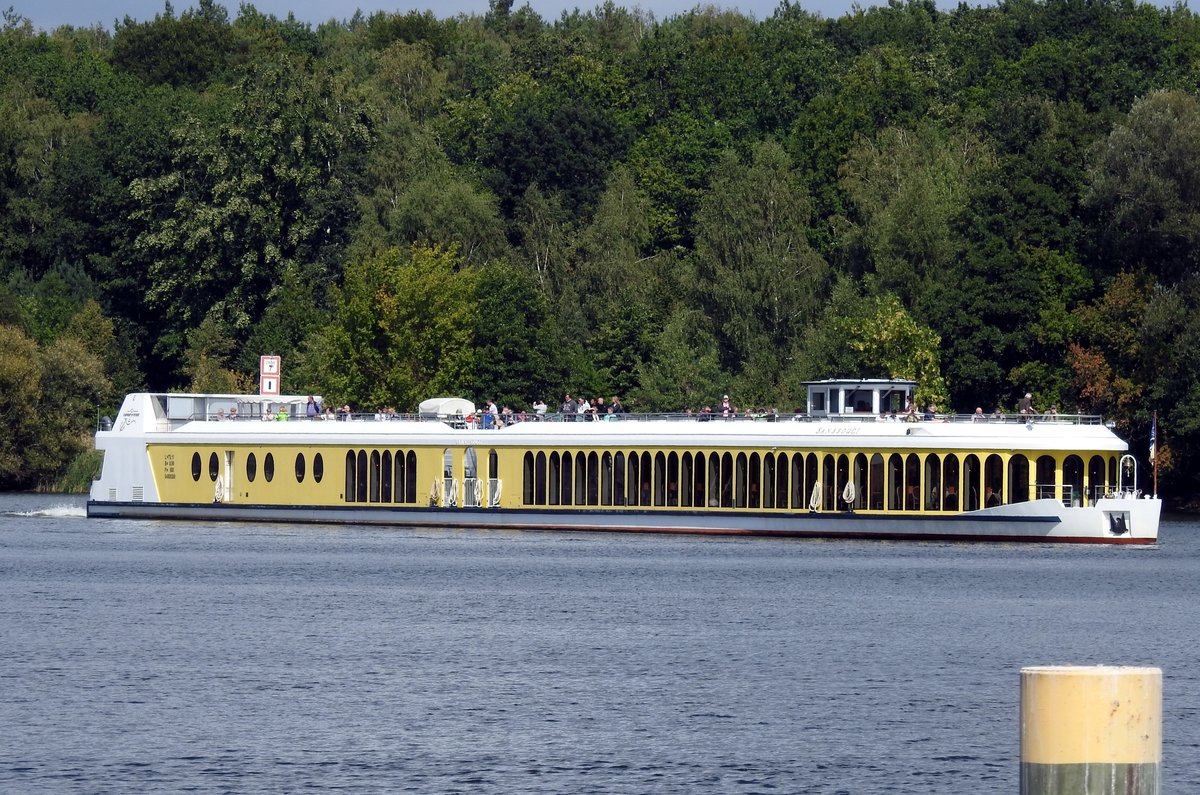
[177, 656]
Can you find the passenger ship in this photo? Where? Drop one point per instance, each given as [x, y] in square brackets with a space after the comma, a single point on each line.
[851, 465]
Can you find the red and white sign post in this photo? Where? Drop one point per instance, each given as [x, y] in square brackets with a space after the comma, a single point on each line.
[269, 374]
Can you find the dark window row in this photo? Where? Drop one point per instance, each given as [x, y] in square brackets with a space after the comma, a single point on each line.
[381, 477]
[268, 469]
[882, 481]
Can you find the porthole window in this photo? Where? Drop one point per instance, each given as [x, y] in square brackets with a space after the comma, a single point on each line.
[269, 467]
[213, 467]
[196, 466]
[318, 468]
[251, 467]
[299, 467]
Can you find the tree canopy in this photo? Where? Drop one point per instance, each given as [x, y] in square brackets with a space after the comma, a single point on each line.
[990, 200]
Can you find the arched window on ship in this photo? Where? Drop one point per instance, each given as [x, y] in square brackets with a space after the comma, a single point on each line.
[862, 481]
[540, 473]
[1044, 472]
[360, 494]
[376, 476]
[933, 483]
[1073, 480]
[951, 485]
[619, 478]
[971, 482]
[527, 479]
[1097, 487]
[1018, 478]
[768, 497]
[385, 476]
[878, 483]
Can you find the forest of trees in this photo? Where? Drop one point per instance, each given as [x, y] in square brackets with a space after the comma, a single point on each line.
[990, 200]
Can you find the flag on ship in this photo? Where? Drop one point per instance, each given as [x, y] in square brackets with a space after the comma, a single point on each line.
[1153, 435]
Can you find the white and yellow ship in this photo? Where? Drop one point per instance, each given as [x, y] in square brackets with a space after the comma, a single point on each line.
[839, 469]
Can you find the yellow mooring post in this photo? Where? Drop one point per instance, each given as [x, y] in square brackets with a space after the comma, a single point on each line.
[1091, 730]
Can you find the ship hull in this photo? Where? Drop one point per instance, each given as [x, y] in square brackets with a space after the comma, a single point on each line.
[1109, 522]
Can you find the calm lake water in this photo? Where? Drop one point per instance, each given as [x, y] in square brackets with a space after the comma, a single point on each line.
[162, 656]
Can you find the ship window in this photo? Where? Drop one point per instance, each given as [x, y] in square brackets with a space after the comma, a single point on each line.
[912, 482]
[799, 496]
[213, 467]
[768, 495]
[829, 489]
[373, 485]
[862, 481]
[877, 489]
[540, 478]
[251, 467]
[565, 488]
[299, 467]
[360, 470]
[619, 479]
[727, 480]
[698, 482]
[385, 478]
[196, 466]
[895, 482]
[740, 480]
[812, 477]
[593, 479]
[1096, 485]
[933, 483]
[553, 474]
[660, 479]
[606, 479]
[1018, 478]
[714, 480]
[410, 476]
[755, 474]
[993, 473]
[351, 477]
[631, 482]
[269, 467]
[318, 467]
[685, 480]
[527, 480]
[970, 487]
[950, 487]
[1073, 480]
[781, 481]
[581, 478]
[400, 492]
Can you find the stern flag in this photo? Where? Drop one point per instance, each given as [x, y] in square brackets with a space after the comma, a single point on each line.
[1153, 435]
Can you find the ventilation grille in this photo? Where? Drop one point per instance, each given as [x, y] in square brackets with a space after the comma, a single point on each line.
[137, 493]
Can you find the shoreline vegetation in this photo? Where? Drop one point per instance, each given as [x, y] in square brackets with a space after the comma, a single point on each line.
[990, 201]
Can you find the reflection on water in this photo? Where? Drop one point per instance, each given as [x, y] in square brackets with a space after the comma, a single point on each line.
[217, 658]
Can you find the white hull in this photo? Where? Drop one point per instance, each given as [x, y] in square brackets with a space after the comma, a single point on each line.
[1111, 521]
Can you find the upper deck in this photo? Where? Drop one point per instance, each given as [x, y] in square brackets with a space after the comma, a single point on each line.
[193, 417]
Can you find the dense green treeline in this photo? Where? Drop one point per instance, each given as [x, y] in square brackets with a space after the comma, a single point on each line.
[990, 200]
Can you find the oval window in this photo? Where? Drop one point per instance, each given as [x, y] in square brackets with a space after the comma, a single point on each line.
[196, 466]
[269, 467]
[299, 467]
[214, 467]
[318, 467]
[251, 467]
